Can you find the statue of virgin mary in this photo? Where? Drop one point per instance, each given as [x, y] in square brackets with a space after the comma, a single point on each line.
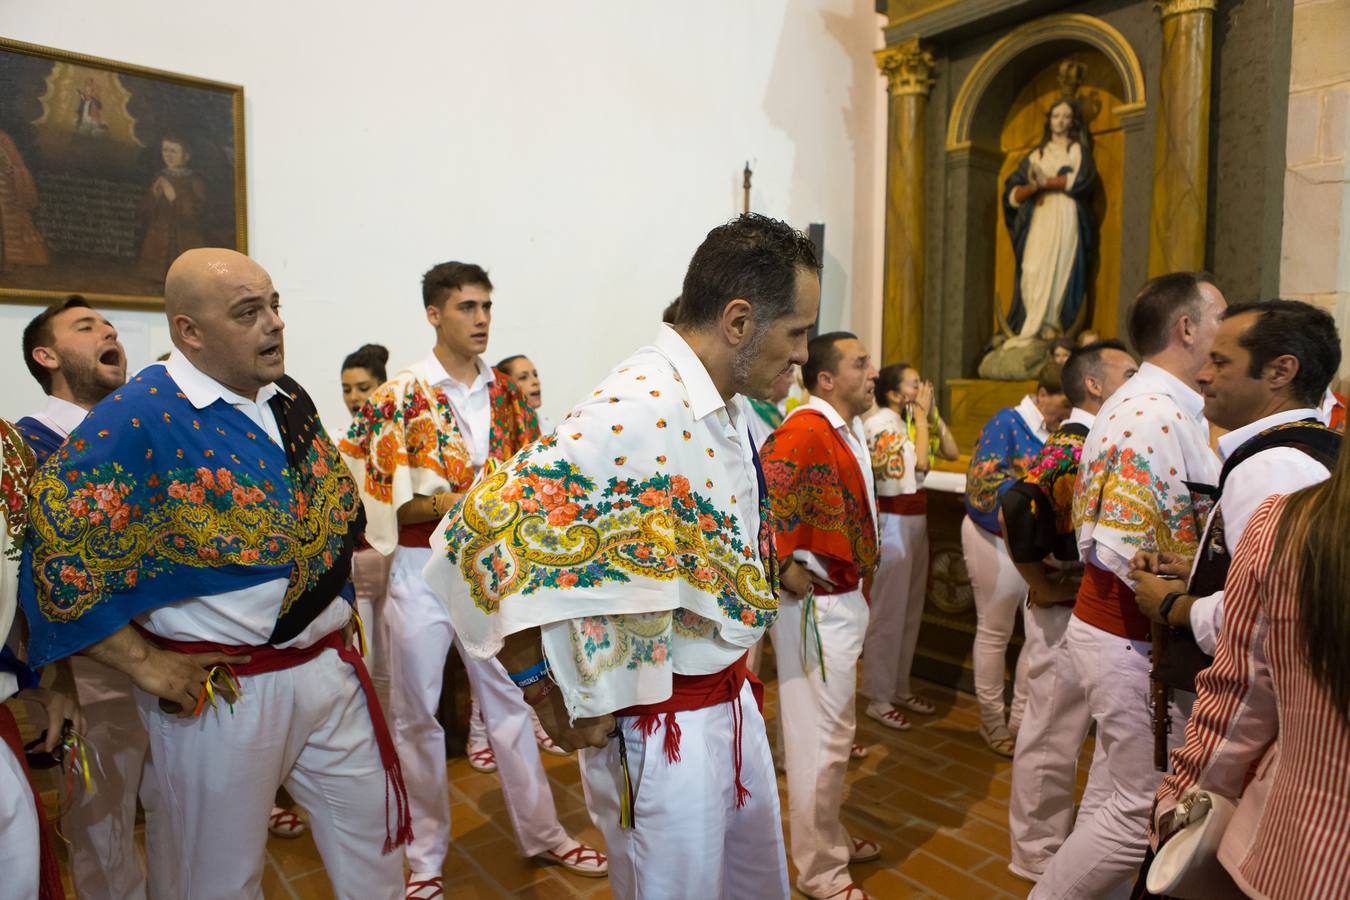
[1046, 206]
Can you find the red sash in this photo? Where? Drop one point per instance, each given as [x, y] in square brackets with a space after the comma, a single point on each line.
[49, 869]
[417, 534]
[266, 658]
[915, 504]
[1105, 602]
[690, 692]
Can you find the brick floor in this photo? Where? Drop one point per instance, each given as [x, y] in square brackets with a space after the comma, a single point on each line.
[934, 797]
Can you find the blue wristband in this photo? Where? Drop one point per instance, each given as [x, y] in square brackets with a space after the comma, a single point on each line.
[533, 675]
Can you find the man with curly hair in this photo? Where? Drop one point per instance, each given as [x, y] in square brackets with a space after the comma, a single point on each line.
[417, 444]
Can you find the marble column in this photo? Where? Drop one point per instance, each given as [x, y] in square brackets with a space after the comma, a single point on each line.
[908, 68]
[1181, 152]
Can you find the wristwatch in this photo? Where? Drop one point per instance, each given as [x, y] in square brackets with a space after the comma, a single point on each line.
[1165, 608]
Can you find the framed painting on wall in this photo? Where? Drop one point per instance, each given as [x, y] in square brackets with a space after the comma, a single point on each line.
[108, 171]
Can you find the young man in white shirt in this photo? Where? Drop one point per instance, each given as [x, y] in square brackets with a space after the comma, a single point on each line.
[1149, 439]
[1037, 518]
[422, 441]
[73, 353]
[819, 471]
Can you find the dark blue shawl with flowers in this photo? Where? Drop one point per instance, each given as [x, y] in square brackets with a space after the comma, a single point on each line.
[151, 501]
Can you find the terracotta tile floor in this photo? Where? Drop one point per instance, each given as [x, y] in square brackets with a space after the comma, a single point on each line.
[934, 798]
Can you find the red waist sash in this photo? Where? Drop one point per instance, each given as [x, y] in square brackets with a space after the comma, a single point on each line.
[690, 692]
[417, 534]
[915, 504]
[1105, 602]
[266, 658]
[49, 869]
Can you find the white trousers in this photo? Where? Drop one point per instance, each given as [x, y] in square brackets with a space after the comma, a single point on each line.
[19, 846]
[999, 593]
[101, 826]
[689, 841]
[897, 607]
[818, 718]
[370, 577]
[420, 639]
[1102, 856]
[306, 727]
[1054, 726]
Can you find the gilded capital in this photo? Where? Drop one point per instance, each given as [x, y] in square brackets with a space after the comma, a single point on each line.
[908, 68]
[1168, 8]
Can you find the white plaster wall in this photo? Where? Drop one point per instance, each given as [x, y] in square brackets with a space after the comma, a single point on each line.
[579, 151]
[1315, 252]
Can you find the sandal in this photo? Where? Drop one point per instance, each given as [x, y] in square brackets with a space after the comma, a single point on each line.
[888, 715]
[1000, 741]
[852, 892]
[547, 745]
[285, 823]
[857, 751]
[483, 760]
[426, 887]
[864, 851]
[581, 859]
[916, 704]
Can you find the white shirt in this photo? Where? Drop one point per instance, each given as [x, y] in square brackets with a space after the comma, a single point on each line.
[1031, 414]
[759, 429]
[61, 416]
[1328, 407]
[1081, 417]
[471, 403]
[247, 616]
[730, 422]
[1279, 470]
[855, 437]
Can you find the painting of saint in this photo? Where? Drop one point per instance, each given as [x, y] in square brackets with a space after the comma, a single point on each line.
[21, 243]
[172, 209]
[108, 172]
[89, 110]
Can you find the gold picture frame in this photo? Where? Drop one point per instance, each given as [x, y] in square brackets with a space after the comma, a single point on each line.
[108, 170]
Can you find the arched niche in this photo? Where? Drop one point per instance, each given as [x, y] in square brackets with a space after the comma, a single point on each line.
[989, 98]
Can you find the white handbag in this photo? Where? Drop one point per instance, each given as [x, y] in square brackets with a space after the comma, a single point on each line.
[1187, 866]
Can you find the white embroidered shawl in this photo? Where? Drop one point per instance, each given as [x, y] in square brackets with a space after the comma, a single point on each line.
[623, 535]
[1149, 439]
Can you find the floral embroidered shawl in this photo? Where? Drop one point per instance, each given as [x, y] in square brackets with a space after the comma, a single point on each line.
[1131, 492]
[405, 442]
[18, 465]
[151, 501]
[819, 498]
[621, 537]
[1038, 509]
[1004, 451]
[894, 458]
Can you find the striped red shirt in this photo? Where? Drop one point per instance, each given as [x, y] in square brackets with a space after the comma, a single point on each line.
[1260, 694]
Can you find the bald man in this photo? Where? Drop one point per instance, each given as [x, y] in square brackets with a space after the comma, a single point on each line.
[195, 532]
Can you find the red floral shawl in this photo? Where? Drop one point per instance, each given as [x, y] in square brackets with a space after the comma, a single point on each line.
[819, 498]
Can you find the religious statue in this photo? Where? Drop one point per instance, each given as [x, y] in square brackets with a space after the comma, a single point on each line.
[1047, 210]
